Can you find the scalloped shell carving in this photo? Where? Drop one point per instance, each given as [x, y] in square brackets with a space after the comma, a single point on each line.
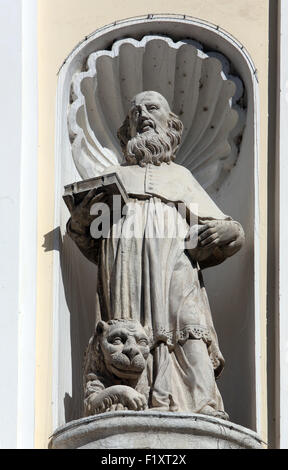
[197, 85]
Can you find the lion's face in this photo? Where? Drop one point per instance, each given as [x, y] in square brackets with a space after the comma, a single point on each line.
[125, 347]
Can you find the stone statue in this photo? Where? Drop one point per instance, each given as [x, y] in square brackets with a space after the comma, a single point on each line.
[116, 376]
[156, 279]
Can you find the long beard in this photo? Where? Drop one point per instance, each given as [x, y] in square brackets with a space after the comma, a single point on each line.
[150, 147]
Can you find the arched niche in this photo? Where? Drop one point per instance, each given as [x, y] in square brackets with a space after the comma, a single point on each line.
[232, 287]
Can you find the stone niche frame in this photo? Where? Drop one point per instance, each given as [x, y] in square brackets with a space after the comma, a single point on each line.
[233, 288]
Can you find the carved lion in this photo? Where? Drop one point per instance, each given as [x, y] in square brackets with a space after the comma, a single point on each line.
[116, 372]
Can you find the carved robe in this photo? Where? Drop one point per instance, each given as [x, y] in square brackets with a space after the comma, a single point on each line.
[155, 280]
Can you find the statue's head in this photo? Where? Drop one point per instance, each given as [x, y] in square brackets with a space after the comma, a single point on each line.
[151, 133]
[123, 346]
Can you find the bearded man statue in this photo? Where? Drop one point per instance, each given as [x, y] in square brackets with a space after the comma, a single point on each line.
[154, 274]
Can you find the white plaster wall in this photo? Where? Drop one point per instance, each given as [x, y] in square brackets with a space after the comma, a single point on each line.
[28, 228]
[18, 199]
[10, 83]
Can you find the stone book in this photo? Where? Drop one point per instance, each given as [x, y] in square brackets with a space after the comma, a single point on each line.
[110, 184]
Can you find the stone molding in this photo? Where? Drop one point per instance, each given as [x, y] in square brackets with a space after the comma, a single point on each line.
[153, 430]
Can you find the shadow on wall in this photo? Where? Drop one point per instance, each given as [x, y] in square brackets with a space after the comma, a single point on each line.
[52, 240]
[79, 280]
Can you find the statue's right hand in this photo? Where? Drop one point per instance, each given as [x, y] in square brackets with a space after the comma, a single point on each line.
[81, 218]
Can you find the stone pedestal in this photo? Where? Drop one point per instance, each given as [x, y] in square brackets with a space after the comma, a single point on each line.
[153, 430]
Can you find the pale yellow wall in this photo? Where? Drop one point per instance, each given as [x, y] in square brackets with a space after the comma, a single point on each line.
[62, 24]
